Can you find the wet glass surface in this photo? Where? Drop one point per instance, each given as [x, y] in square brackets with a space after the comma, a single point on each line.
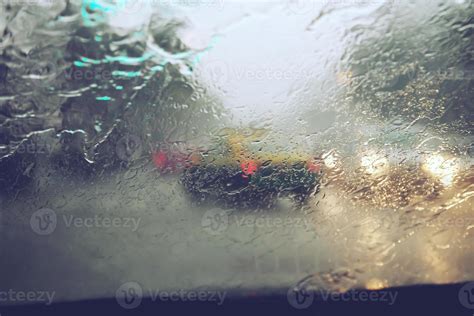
[235, 145]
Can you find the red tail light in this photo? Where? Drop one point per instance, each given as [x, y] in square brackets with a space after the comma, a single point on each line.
[313, 165]
[170, 162]
[160, 159]
[248, 167]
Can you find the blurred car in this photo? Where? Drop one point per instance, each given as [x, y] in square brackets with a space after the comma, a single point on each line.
[234, 173]
[417, 166]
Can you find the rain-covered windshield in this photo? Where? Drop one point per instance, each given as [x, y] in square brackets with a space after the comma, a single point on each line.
[235, 145]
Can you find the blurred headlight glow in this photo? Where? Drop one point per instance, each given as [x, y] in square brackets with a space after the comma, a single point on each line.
[443, 169]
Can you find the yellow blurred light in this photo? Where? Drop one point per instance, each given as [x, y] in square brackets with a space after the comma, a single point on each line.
[443, 169]
[344, 77]
[330, 160]
[375, 284]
